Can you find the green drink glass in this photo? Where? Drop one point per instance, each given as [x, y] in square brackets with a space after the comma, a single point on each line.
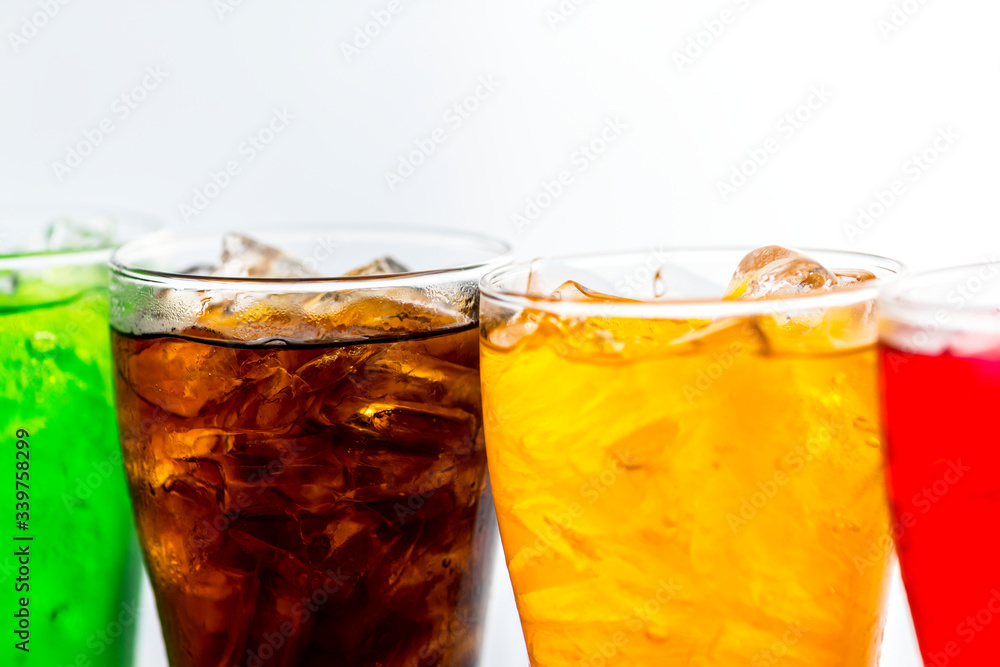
[69, 568]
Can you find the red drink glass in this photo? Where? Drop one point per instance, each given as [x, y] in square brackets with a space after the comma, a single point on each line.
[940, 367]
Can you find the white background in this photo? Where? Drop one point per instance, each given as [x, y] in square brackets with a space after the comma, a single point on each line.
[891, 88]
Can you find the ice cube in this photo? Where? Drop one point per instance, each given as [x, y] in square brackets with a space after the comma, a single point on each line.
[850, 277]
[244, 257]
[381, 266]
[417, 428]
[510, 332]
[267, 317]
[773, 271]
[211, 612]
[181, 377]
[400, 372]
[333, 367]
[351, 313]
[740, 334]
[68, 234]
[574, 291]
[8, 283]
[377, 312]
[270, 404]
[547, 277]
[200, 269]
[193, 444]
[575, 284]
[676, 282]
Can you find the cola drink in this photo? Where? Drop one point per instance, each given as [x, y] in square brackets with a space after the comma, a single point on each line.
[303, 442]
[310, 503]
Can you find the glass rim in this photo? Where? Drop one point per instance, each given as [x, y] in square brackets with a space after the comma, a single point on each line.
[899, 299]
[143, 223]
[500, 251]
[700, 308]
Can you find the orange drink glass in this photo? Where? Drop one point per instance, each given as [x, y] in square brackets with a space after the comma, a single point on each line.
[685, 480]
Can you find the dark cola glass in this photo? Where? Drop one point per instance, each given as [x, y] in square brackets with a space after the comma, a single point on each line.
[305, 457]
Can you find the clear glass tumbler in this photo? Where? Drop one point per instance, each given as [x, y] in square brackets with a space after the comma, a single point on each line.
[303, 443]
[685, 480]
[70, 565]
[940, 362]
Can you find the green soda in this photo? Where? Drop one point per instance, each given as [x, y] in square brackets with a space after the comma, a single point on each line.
[69, 565]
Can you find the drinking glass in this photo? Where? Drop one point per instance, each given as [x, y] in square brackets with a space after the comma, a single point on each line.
[685, 480]
[70, 565]
[940, 365]
[303, 443]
